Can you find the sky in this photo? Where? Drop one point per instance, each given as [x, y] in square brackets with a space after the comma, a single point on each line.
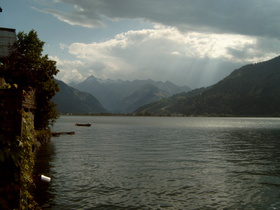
[188, 42]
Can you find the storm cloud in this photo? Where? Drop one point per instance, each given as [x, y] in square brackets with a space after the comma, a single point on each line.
[250, 17]
[195, 43]
[164, 53]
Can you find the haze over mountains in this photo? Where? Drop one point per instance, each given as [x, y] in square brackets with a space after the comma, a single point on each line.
[71, 100]
[252, 90]
[118, 96]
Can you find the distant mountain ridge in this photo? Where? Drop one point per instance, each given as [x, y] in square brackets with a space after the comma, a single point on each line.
[71, 100]
[120, 96]
[252, 90]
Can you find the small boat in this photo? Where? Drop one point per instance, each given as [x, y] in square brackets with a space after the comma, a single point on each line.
[83, 124]
[56, 134]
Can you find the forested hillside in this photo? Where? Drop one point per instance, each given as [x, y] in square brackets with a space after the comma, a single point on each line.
[252, 90]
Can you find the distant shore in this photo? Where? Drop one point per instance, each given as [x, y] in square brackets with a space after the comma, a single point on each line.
[163, 115]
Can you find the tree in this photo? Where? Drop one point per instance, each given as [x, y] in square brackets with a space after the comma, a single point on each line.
[29, 69]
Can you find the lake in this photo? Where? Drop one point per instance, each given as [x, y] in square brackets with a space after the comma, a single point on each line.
[162, 163]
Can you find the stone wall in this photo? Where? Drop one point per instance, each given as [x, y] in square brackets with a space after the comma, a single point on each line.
[12, 104]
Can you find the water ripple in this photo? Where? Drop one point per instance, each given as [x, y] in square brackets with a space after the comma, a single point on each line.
[166, 163]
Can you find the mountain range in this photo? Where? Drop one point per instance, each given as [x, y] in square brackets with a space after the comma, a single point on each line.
[71, 100]
[118, 96]
[252, 90]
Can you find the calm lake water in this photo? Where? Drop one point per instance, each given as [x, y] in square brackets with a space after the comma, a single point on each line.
[162, 163]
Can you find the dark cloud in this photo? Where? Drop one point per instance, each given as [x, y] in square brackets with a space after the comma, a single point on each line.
[247, 17]
[191, 42]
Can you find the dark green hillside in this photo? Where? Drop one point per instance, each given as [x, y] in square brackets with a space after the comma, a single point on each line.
[169, 105]
[252, 90]
[71, 100]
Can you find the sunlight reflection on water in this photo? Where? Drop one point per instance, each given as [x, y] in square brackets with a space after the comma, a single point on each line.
[155, 163]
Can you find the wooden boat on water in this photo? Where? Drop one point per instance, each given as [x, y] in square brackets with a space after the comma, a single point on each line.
[55, 134]
[83, 124]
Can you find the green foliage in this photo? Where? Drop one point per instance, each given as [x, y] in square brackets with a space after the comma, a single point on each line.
[26, 162]
[18, 157]
[8, 86]
[27, 67]
[43, 135]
